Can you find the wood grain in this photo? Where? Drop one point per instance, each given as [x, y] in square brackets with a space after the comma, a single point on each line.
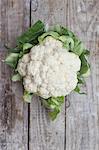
[82, 118]
[79, 129]
[45, 134]
[14, 18]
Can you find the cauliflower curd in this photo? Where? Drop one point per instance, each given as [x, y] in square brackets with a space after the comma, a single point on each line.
[49, 70]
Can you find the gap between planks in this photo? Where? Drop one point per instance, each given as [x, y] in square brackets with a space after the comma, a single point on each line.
[29, 104]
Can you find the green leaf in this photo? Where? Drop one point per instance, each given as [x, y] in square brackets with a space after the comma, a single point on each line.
[25, 49]
[68, 41]
[13, 50]
[27, 46]
[86, 52]
[27, 97]
[21, 54]
[84, 65]
[16, 77]
[77, 89]
[85, 75]
[53, 114]
[62, 31]
[32, 33]
[50, 33]
[54, 100]
[78, 47]
[12, 59]
[54, 104]
[81, 79]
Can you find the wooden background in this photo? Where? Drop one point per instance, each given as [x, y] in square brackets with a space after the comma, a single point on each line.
[24, 127]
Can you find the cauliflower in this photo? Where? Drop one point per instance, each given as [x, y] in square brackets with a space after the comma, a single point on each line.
[49, 70]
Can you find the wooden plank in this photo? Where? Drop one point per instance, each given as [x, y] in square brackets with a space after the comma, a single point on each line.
[45, 134]
[82, 124]
[14, 18]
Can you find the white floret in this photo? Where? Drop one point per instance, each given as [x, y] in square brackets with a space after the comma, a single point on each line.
[49, 70]
[22, 65]
[51, 42]
[29, 84]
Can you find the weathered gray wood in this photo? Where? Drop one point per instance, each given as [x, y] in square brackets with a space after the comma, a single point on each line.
[82, 124]
[14, 18]
[45, 134]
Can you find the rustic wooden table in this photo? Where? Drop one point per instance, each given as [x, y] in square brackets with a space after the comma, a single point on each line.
[28, 128]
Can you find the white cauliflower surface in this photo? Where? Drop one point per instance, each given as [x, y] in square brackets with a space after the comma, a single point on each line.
[49, 70]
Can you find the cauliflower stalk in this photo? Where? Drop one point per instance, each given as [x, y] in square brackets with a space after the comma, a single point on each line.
[51, 64]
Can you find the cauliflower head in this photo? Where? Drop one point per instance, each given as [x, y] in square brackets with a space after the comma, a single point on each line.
[49, 70]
